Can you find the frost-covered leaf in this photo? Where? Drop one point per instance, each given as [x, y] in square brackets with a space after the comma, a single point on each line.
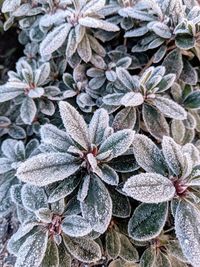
[148, 221]
[113, 243]
[83, 188]
[148, 155]
[33, 197]
[83, 249]
[127, 251]
[74, 124]
[126, 79]
[64, 257]
[173, 62]
[192, 101]
[148, 258]
[33, 250]
[173, 155]
[8, 93]
[54, 39]
[99, 24]
[155, 121]
[76, 226]
[170, 108]
[121, 204]
[117, 143]
[98, 125]
[84, 49]
[97, 206]
[51, 257]
[132, 99]
[109, 175]
[125, 119]
[187, 225]
[149, 188]
[51, 135]
[28, 110]
[47, 168]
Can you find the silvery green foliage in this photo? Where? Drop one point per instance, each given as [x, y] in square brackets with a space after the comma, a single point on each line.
[106, 102]
[146, 92]
[13, 153]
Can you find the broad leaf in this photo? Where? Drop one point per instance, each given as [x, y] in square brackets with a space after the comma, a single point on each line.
[149, 188]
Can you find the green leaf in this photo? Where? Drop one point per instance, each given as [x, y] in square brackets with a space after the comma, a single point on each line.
[8, 93]
[169, 108]
[155, 121]
[148, 155]
[124, 164]
[76, 226]
[148, 258]
[113, 243]
[74, 124]
[83, 249]
[54, 39]
[33, 197]
[64, 188]
[187, 226]
[33, 250]
[127, 251]
[97, 206]
[148, 221]
[192, 101]
[125, 119]
[173, 155]
[64, 257]
[98, 125]
[185, 41]
[109, 175]
[121, 204]
[47, 168]
[51, 258]
[149, 188]
[118, 143]
[173, 62]
[28, 110]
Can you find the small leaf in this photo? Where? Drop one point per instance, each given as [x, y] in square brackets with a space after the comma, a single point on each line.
[170, 108]
[173, 62]
[155, 121]
[98, 125]
[126, 79]
[173, 155]
[83, 249]
[127, 251]
[84, 50]
[99, 24]
[51, 258]
[8, 93]
[97, 207]
[121, 204]
[74, 124]
[47, 168]
[148, 258]
[192, 101]
[33, 198]
[109, 176]
[76, 226]
[125, 119]
[187, 222]
[112, 243]
[33, 250]
[28, 110]
[118, 143]
[147, 221]
[148, 155]
[54, 39]
[149, 188]
[132, 99]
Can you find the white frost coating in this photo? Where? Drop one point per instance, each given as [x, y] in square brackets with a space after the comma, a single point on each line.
[193, 152]
[170, 108]
[51, 135]
[132, 99]
[28, 110]
[83, 249]
[99, 24]
[32, 251]
[109, 176]
[84, 50]
[8, 148]
[98, 124]
[148, 155]
[33, 197]
[54, 39]
[118, 143]
[173, 155]
[93, 6]
[126, 79]
[187, 226]
[76, 226]
[149, 188]
[83, 189]
[47, 168]
[74, 124]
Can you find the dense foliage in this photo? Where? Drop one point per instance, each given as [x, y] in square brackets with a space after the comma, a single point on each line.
[100, 127]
